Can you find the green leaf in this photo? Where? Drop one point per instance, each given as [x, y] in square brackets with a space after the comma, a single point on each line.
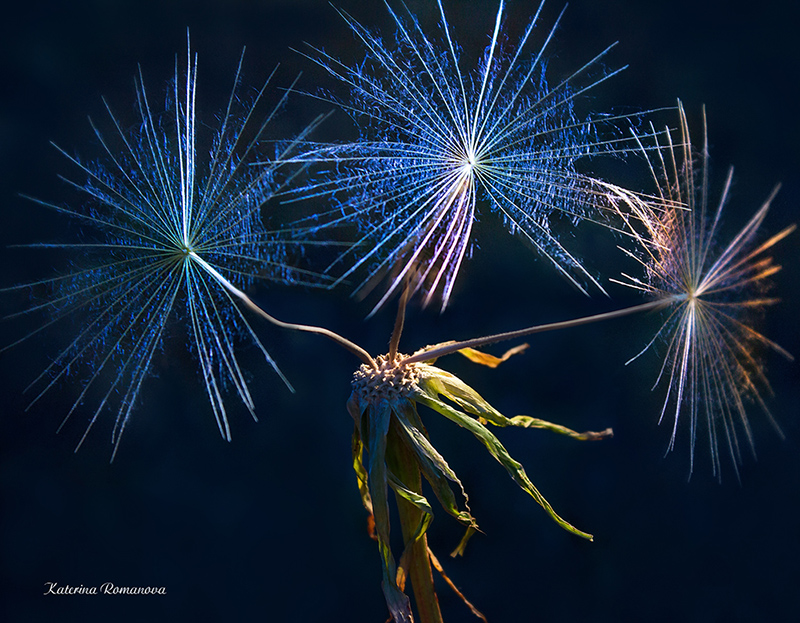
[417, 500]
[425, 395]
[462, 545]
[525, 421]
[432, 464]
[361, 472]
[437, 381]
[379, 416]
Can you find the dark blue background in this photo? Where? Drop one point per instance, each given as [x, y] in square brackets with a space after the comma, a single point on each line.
[270, 526]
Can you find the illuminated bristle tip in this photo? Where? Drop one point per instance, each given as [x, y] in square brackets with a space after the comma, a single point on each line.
[171, 225]
[438, 141]
[712, 365]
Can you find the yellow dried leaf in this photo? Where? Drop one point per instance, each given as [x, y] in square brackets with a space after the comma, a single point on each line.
[485, 359]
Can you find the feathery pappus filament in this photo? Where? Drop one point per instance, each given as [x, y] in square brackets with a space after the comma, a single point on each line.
[439, 137]
[169, 218]
[712, 366]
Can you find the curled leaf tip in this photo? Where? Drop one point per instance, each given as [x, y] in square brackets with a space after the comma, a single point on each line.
[596, 436]
[490, 361]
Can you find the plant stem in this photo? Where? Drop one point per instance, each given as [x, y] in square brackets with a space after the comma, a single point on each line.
[399, 321]
[448, 349]
[347, 344]
[403, 464]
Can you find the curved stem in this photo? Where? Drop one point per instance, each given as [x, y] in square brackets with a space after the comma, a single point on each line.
[347, 344]
[441, 351]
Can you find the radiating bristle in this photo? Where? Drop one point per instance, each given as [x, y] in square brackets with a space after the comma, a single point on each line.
[151, 205]
[712, 365]
[437, 141]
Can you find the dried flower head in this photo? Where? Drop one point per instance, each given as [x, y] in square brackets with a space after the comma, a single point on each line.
[383, 405]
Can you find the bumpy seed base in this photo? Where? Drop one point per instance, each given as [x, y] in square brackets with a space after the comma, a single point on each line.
[390, 380]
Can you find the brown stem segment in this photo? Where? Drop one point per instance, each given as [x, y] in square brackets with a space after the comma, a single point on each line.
[347, 344]
[394, 343]
[448, 349]
[403, 465]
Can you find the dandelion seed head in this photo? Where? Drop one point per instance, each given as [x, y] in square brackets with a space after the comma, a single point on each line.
[438, 139]
[166, 228]
[712, 367]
